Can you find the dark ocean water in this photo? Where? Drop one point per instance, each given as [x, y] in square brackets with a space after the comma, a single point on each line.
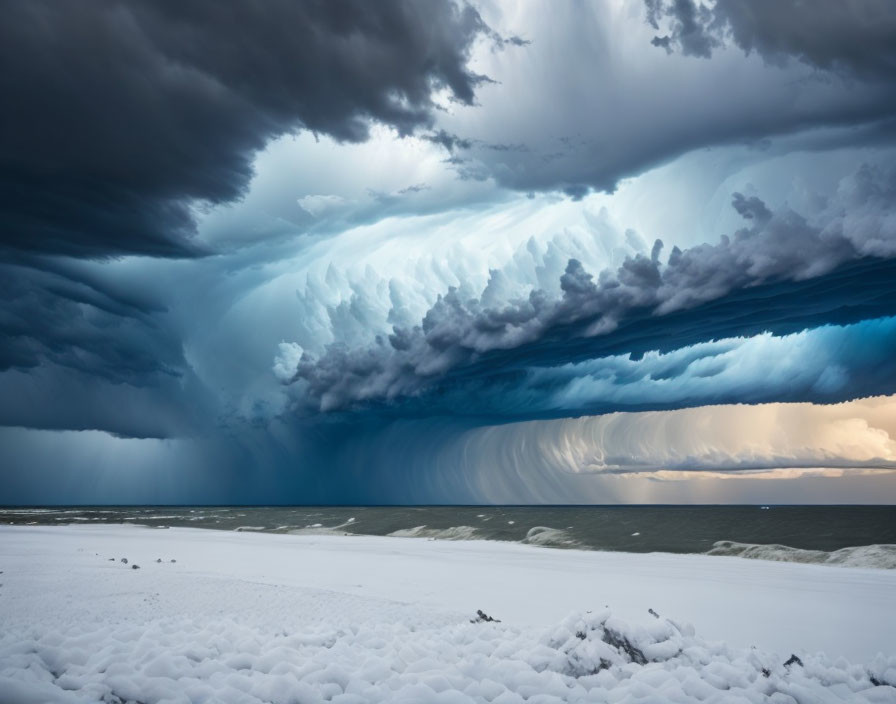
[776, 532]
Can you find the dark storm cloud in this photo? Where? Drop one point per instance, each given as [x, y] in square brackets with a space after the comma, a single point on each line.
[647, 362]
[857, 36]
[688, 26]
[591, 102]
[81, 353]
[52, 397]
[781, 273]
[448, 140]
[118, 115]
[67, 320]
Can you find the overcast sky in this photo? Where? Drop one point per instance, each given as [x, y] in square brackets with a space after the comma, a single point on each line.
[435, 252]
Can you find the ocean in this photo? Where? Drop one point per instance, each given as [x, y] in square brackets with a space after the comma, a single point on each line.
[852, 535]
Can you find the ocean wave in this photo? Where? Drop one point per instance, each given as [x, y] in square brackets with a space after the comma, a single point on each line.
[539, 535]
[875, 556]
[28, 511]
[452, 533]
[549, 537]
[321, 529]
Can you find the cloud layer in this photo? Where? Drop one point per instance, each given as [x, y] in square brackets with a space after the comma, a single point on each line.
[623, 106]
[718, 290]
[845, 35]
[735, 438]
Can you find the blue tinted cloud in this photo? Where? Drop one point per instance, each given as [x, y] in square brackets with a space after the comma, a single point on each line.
[782, 273]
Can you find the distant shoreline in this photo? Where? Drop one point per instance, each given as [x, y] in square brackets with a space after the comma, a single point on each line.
[845, 536]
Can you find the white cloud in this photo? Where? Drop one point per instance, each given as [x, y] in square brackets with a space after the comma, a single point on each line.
[776, 440]
[318, 205]
[287, 360]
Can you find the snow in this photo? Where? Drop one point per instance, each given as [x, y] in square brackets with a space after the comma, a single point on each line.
[253, 617]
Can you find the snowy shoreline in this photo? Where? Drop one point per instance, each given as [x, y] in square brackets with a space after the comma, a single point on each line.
[242, 616]
[549, 529]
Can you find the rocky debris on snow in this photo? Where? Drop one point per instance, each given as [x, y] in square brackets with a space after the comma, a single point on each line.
[593, 642]
[793, 660]
[482, 617]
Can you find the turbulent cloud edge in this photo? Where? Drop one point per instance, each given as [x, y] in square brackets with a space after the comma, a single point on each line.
[855, 36]
[859, 222]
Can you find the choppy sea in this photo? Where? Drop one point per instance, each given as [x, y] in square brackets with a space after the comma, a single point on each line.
[859, 536]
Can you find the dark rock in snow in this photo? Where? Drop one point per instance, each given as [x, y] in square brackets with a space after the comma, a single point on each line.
[876, 681]
[793, 660]
[624, 645]
[482, 617]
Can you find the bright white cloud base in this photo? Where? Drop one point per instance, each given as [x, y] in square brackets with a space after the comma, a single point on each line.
[242, 617]
[762, 438]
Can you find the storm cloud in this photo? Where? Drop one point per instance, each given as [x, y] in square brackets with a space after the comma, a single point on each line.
[738, 73]
[121, 117]
[854, 36]
[56, 313]
[707, 292]
[446, 250]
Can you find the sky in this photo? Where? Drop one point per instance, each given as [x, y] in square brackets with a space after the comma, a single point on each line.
[445, 252]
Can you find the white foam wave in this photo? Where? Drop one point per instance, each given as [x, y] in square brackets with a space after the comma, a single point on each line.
[321, 529]
[875, 556]
[452, 533]
[549, 537]
[539, 535]
[29, 511]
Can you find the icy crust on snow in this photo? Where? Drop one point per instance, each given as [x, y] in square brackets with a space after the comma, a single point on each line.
[875, 556]
[589, 657]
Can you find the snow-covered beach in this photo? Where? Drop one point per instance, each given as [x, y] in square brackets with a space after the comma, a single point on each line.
[222, 616]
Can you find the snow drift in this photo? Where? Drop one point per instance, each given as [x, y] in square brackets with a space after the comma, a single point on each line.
[587, 657]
